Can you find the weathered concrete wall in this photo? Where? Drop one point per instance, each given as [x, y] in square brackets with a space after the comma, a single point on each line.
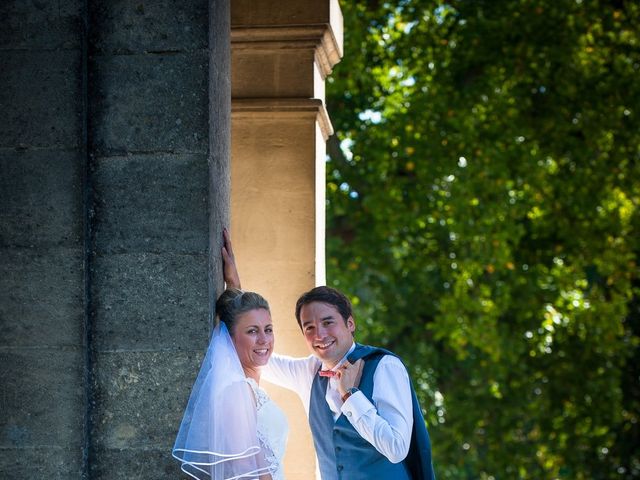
[148, 106]
[114, 178]
[42, 301]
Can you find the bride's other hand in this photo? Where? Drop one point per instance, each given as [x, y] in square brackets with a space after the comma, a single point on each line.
[230, 270]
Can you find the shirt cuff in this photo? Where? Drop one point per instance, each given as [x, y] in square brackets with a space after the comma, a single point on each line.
[356, 406]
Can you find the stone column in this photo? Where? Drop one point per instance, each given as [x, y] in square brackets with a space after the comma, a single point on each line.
[157, 94]
[281, 55]
[42, 256]
[114, 189]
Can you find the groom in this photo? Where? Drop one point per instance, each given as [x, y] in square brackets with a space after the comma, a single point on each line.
[362, 409]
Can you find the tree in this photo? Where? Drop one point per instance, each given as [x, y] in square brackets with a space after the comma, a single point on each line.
[483, 213]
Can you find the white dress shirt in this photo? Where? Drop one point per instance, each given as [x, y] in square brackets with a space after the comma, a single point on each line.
[386, 423]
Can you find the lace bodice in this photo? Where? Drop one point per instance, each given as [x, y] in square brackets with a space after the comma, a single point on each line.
[273, 429]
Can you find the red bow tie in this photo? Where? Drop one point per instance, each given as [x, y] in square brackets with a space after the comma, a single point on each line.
[327, 373]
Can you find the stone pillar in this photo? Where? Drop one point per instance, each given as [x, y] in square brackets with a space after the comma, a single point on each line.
[281, 54]
[156, 96]
[42, 256]
[114, 189]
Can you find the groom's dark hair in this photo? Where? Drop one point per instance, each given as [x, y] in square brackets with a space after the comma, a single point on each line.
[327, 295]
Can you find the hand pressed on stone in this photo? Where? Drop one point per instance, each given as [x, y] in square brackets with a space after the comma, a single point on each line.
[230, 271]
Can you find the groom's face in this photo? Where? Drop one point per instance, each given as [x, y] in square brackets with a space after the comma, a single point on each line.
[328, 335]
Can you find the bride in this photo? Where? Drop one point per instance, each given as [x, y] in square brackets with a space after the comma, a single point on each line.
[231, 429]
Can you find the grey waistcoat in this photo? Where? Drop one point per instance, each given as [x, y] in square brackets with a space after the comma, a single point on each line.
[342, 452]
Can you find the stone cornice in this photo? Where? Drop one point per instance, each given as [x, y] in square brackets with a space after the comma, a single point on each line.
[320, 38]
[287, 107]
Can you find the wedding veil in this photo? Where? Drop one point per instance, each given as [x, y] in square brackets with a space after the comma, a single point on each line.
[218, 435]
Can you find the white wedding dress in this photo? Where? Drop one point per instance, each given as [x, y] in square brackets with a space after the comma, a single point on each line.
[273, 429]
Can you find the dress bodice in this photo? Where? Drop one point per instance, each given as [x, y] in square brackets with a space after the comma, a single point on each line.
[273, 429]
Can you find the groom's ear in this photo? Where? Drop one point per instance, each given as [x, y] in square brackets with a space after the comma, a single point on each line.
[351, 324]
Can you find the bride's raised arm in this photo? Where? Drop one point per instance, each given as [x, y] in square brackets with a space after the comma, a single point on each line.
[230, 270]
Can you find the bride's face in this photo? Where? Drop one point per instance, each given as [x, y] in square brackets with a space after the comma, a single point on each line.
[253, 338]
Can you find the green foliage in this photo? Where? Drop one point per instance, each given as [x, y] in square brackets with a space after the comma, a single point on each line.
[484, 214]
